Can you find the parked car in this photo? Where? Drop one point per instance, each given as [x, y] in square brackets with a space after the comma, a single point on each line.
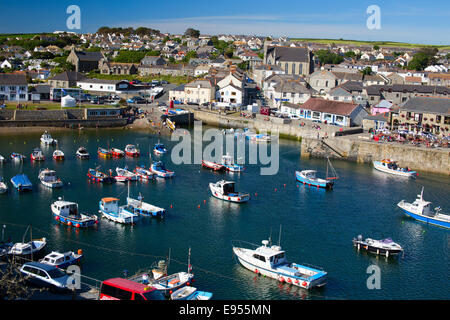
[137, 100]
[44, 275]
[124, 289]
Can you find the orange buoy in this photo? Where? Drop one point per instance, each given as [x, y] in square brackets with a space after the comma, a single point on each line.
[77, 225]
[69, 223]
[198, 206]
[204, 201]
[171, 206]
[80, 252]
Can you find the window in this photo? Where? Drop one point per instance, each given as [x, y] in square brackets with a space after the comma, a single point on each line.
[12, 88]
[21, 96]
[438, 119]
[447, 120]
[257, 256]
[116, 292]
[23, 88]
[2, 88]
[293, 68]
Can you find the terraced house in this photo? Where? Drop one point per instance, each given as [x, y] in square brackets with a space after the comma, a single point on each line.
[424, 114]
[13, 87]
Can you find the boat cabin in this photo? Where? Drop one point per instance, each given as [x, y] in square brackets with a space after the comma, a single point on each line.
[57, 258]
[271, 256]
[67, 209]
[110, 205]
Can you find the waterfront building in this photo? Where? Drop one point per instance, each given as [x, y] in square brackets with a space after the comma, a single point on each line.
[66, 79]
[13, 87]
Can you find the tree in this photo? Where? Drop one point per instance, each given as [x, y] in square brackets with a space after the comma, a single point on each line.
[367, 71]
[326, 56]
[423, 58]
[376, 47]
[192, 33]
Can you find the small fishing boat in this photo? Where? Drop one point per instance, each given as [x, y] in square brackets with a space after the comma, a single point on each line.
[259, 138]
[309, 177]
[159, 169]
[58, 155]
[212, 165]
[49, 179]
[3, 186]
[385, 247]
[62, 260]
[143, 173]
[391, 166]
[82, 153]
[143, 208]
[225, 190]
[190, 293]
[110, 209]
[47, 139]
[131, 151]
[37, 155]
[25, 249]
[117, 153]
[21, 182]
[124, 174]
[67, 213]
[421, 210]
[17, 157]
[159, 148]
[103, 153]
[2, 159]
[227, 162]
[98, 176]
[269, 260]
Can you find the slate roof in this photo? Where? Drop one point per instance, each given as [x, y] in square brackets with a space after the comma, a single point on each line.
[69, 76]
[377, 89]
[13, 79]
[427, 105]
[292, 54]
[89, 56]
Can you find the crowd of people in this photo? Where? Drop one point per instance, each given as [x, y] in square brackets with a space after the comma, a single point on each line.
[423, 139]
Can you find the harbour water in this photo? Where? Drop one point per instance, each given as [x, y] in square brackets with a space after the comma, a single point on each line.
[317, 225]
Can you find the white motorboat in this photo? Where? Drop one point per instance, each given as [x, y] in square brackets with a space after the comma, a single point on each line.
[47, 139]
[190, 293]
[67, 213]
[225, 190]
[125, 173]
[421, 210]
[49, 179]
[82, 153]
[25, 249]
[227, 162]
[270, 261]
[385, 247]
[391, 166]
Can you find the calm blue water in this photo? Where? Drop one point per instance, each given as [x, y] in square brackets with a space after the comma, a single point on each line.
[317, 225]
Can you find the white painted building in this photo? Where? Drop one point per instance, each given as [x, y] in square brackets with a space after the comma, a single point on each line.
[13, 87]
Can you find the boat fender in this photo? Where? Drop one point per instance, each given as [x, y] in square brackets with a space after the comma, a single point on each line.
[56, 218]
[238, 199]
[188, 284]
[256, 271]
[80, 252]
[289, 280]
[229, 198]
[281, 279]
[304, 284]
[297, 282]
[69, 223]
[77, 225]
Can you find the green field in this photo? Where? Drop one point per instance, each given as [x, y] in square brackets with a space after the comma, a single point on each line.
[171, 79]
[19, 35]
[386, 44]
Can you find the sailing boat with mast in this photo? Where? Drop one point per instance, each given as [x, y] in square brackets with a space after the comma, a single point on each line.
[309, 177]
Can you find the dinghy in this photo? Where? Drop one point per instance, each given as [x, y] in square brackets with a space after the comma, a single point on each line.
[159, 148]
[385, 247]
[159, 169]
[103, 153]
[58, 155]
[117, 153]
[227, 162]
[124, 174]
[17, 157]
[212, 165]
[391, 166]
[143, 173]
[3, 186]
[97, 176]
[21, 182]
[37, 155]
[131, 151]
[190, 293]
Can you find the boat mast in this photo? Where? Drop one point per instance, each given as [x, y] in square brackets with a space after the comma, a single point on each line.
[279, 237]
[189, 260]
[31, 242]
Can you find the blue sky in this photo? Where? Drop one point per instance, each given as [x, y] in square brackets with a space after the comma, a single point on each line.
[415, 21]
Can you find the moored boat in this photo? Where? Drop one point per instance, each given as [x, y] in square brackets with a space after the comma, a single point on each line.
[385, 247]
[212, 165]
[143, 208]
[227, 162]
[225, 190]
[49, 179]
[260, 138]
[159, 169]
[21, 182]
[58, 155]
[391, 166]
[123, 174]
[143, 173]
[308, 177]
[67, 213]
[190, 293]
[159, 148]
[3, 186]
[103, 153]
[98, 176]
[421, 211]
[47, 139]
[37, 155]
[17, 157]
[271, 261]
[117, 153]
[2, 159]
[82, 153]
[26, 249]
[62, 260]
[132, 151]
[110, 209]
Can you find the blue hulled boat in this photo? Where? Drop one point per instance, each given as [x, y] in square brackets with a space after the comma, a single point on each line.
[21, 182]
[309, 177]
[421, 210]
[159, 148]
[160, 170]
